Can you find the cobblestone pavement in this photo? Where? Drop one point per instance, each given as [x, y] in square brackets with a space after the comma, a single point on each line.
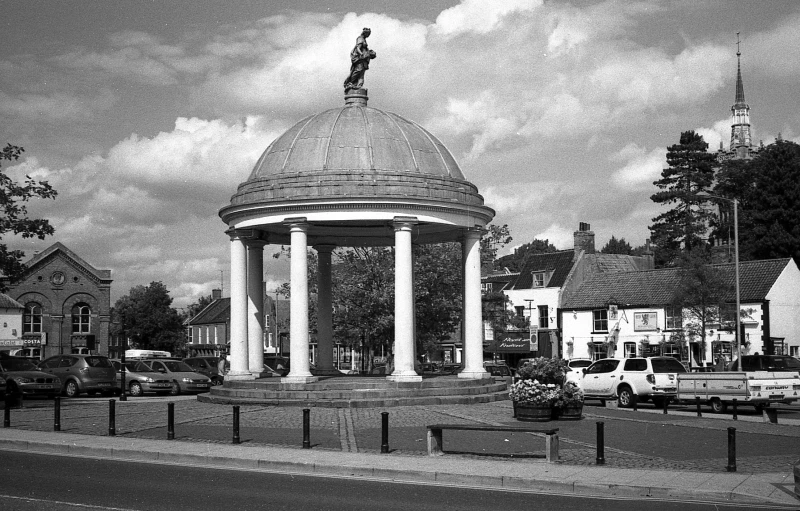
[633, 440]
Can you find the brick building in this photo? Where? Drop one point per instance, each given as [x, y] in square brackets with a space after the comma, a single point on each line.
[67, 303]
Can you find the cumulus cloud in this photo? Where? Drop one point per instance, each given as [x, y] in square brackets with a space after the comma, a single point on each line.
[479, 17]
[641, 168]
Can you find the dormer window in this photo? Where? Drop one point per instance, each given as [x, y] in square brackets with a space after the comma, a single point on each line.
[538, 279]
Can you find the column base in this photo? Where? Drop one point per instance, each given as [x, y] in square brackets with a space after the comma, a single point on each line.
[262, 374]
[413, 377]
[327, 372]
[474, 375]
[231, 376]
[299, 379]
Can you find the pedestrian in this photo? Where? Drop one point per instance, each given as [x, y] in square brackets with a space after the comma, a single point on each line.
[222, 366]
[720, 365]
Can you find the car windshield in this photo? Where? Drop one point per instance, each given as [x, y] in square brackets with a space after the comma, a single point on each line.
[580, 363]
[779, 362]
[98, 362]
[18, 364]
[177, 367]
[667, 365]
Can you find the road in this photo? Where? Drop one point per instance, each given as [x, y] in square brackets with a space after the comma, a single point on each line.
[37, 482]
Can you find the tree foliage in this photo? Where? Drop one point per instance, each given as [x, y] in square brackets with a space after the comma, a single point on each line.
[195, 308]
[617, 246]
[145, 318]
[496, 237]
[690, 175]
[516, 261]
[14, 217]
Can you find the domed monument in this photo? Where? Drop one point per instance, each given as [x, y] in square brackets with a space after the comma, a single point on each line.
[350, 176]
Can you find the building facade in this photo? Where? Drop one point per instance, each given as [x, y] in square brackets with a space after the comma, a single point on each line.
[10, 324]
[66, 303]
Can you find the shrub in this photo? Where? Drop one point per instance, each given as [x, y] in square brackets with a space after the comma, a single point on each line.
[533, 392]
[549, 371]
[571, 394]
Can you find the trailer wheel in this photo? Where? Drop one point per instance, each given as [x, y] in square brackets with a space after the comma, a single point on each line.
[717, 406]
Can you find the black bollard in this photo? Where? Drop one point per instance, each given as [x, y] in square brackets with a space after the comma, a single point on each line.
[306, 435]
[666, 405]
[170, 421]
[57, 414]
[123, 396]
[112, 418]
[236, 424]
[7, 413]
[384, 432]
[635, 402]
[699, 413]
[735, 412]
[731, 450]
[601, 447]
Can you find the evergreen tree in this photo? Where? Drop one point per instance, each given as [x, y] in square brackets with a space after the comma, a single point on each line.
[690, 174]
[517, 260]
[617, 246]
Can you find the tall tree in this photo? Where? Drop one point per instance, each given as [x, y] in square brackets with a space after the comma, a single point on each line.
[517, 260]
[617, 246]
[195, 308]
[496, 237]
[145, 318]
[14, 216]
[689, 176]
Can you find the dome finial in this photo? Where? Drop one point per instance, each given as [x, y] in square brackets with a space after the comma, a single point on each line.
[359, 62]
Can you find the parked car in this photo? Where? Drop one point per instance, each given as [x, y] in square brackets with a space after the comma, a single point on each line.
[183, 378]
[81, 373]
[20, 375]
[500, 372]
[575, 368]
[772, 363]
[647, 378]
[450, 368]
[140, 379]
[277, 363]
[429, 368]
[208, 366]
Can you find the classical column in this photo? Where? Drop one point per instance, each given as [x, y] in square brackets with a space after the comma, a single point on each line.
[404, 337]
[324, 311]
[299, 367]
[255, 307]
[473, 323]
[239, 360]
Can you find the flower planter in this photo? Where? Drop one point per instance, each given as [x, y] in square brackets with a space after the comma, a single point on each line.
[533, 413]
[571, 412]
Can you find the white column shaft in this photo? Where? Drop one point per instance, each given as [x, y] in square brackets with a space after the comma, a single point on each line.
[299, 366]
[239, 363]
[404, 335]
[255, 307]
[473, 324]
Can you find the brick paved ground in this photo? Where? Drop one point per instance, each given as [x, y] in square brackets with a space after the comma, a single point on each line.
[632, 439]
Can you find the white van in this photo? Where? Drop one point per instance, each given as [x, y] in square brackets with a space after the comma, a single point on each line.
[137, 354]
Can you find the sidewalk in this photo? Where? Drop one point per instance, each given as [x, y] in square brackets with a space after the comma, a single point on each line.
[343, 446]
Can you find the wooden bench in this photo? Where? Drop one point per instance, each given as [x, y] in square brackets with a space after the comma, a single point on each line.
[435, 436]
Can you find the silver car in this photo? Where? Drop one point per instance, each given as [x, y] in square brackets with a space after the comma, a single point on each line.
[183, 378]
[140, 379]
[81, 373]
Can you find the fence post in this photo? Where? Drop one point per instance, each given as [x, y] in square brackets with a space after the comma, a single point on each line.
[170, 421]
[635, 402]
[735, 412]
[57, 414]
[731, 450]
[601, 458]
[699, 413]
[384, 432]
[666, 405]
[236, 424]
[306, 428]
[112, 418]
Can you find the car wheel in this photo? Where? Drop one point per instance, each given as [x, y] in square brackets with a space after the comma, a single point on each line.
[72, 389]
[624, 397]
[135, 389]
[717, 406]
[175, 390]
[216, 381]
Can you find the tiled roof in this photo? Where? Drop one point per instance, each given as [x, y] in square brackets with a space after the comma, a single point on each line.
[218, 311]
[6, 302]
[560, 263]
[657, 287]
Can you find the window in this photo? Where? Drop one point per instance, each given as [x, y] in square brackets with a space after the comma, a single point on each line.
[794, 350]
[538, 279]
[674, 318]
[629, 348]
[600, 320]
[520, 310]
[32, 318]
[603, 366]
[544, 320]
[599, 351]
[727, 316]
[636, 364]
[486, 287]
[81, 319]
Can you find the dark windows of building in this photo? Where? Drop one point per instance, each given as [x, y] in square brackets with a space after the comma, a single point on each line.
[629, 348]
[81, 319]
[600, 320]
[32, 318]
[520, 309]
[544, 321]
[674, 318]
[538, 279]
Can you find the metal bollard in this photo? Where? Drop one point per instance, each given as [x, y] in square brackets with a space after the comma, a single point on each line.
[112, 418]
[384, 432]
[735, 412]
[699, 413]
[123, 396]
[635, 402]
[57, 414]
[666, 405]
[731, 450]
[306, 428]
[170, 421]
[601, 447]
[236, 424]
[7, 414]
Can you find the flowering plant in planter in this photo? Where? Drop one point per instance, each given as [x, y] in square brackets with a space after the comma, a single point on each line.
[545, 370]
[571, 395]
[534, 393]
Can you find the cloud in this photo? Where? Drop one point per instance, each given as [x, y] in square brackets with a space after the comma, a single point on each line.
[641, 169]
[478, 17]
[560, 237]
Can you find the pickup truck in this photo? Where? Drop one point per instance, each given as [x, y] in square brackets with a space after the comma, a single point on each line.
[646, 378]
[758, 388]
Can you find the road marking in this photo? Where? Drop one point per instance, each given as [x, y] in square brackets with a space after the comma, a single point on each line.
[64, 503]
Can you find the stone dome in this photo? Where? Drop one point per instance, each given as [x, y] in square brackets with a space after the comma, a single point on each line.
[361, 158]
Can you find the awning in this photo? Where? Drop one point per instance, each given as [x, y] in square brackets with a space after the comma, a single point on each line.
[510, 346]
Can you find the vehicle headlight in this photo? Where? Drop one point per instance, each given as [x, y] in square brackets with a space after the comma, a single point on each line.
[187, 380]
[21, 380]
[148, 379]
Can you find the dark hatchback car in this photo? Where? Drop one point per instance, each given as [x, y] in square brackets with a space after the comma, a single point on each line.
[772, 363]
[207, 366]
[20, 376]
[81, 373]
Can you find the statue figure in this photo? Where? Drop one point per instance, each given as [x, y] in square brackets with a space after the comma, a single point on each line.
[359, 59]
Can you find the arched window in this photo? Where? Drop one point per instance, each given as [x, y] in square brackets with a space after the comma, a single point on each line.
[81, 319]
[32, 318]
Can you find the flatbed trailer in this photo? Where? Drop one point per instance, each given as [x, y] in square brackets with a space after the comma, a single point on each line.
[720, 389]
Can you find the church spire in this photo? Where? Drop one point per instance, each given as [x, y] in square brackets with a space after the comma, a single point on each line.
[741, 139]
[739, 84]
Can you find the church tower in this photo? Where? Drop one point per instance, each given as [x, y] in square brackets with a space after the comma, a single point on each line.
[741, 146]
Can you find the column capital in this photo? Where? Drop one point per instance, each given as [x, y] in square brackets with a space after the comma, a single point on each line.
[400, 223]
[249, 235]
[473, 232]
[324, 248]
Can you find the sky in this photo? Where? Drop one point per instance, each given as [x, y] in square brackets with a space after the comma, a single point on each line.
[145, 115]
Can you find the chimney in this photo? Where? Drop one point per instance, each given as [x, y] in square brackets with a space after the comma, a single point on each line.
[216, 294]
[649, 255]
[584, 238]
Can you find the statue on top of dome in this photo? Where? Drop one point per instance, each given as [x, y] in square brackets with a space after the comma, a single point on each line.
[359, 59]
